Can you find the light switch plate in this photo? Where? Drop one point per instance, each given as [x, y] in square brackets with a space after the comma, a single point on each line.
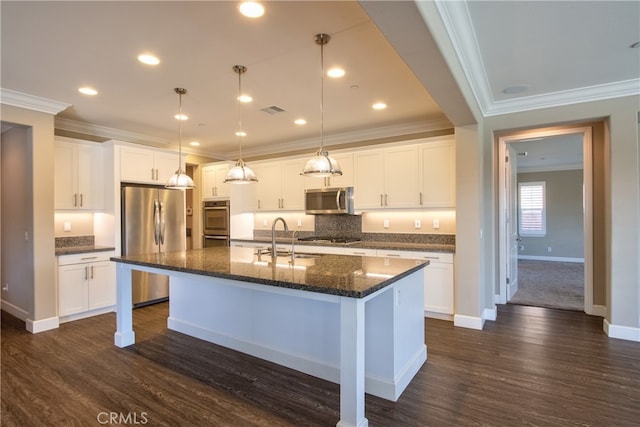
[67, 226]
[436, 223]
[418, 224]
[385, 223]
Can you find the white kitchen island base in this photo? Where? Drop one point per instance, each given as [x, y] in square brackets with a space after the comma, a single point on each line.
[373, 344]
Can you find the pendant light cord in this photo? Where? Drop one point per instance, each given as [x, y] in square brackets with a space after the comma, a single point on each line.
[322, 43]
[180, 92]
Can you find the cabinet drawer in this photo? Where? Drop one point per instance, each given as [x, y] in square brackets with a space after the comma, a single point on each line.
[85, 257]
[440, 257]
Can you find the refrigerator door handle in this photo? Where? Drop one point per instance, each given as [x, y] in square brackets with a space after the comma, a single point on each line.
[156, 222]
[163, 223]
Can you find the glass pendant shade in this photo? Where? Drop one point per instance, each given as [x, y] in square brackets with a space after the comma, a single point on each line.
[240, 174]
[321, 166]
[180, 180]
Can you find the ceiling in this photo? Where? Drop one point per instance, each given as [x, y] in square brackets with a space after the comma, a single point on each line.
[559, 52]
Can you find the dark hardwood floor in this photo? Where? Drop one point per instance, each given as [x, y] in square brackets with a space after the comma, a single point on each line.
[532, 367]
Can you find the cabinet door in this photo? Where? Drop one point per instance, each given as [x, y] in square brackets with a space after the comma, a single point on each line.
[65, 176]
[90, 167]
[368, 179]
[73, 289]
[102, 285]
[208, 181]
[268, 187]
[220, 173]
[166, 165]
[438, 288]
[136, 165]
[292, 185]
[438, 174]
[402, 181]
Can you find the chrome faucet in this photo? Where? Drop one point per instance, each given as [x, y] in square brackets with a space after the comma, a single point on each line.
[273, 234]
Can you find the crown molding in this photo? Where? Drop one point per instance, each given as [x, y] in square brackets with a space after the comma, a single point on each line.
[106, 132]
[395, 130]
[31, 102]
[566, 97]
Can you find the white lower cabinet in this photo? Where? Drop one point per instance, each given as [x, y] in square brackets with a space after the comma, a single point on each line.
[86, 285]
[438, 280]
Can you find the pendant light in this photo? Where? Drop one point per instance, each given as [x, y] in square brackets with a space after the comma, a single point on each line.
[180, 180]
[240, 173]
[322, 165]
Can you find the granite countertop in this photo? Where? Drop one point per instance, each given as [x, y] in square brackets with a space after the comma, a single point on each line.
[350, 276]
[72, 250]
[401, 246]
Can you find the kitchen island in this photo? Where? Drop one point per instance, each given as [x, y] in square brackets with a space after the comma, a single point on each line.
[354, 320]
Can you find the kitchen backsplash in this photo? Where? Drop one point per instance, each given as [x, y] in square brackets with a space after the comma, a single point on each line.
[74, 241]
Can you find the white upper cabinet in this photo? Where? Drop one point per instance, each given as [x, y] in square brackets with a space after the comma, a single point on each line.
[147, 165]
[345, 160]
[387, 178]
[213, 185]
[280, 185]
[438, 173]
[78, 175]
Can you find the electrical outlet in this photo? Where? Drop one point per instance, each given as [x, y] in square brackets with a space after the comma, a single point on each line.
[548, 248]
[436, 223]
[418, 224]
[67, 226]
[264, 222]
[385, 223]
[299, 222]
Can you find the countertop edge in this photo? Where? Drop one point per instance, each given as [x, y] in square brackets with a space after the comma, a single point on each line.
[82, 250]
[414, 247]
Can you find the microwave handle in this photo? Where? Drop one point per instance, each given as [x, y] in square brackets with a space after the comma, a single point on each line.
[338, 199]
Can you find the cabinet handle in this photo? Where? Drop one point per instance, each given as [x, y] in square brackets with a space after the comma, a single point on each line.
[86, 273]
[258, 204]
[157, 174]
[75, 199]
[381, 200]
[421, 198]
[81, 200]
[92, 271]
[153, 176]
[358, 253]
[88, 257]
[432, 257]
[396, 255]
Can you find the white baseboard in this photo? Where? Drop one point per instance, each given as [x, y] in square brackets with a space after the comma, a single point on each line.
[84, 315]
[35, 326]
[490, 313]
[550, 258]
[15, 311]
[469, 322]
[441, 316]
[621, 332]
[498, 299]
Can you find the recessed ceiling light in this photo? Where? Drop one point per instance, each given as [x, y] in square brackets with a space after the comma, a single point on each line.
[245, 98]
[241, 133]
[336, 72]
[300, 121]
[379, 106]
[515, 89]
[149, 59]
[88, 91]
[251, 9]
[181, 117]
[194, 143]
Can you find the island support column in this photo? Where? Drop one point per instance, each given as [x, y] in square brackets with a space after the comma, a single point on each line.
[352, 322]
[124, 335]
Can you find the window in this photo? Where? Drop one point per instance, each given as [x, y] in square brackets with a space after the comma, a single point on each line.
[531, 209]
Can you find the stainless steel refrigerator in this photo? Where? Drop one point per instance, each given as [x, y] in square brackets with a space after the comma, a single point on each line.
[153, 221]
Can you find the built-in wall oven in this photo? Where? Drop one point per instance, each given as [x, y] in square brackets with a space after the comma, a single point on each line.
[215, 223]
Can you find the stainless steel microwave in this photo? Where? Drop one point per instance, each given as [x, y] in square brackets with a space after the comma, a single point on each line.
[329, 201]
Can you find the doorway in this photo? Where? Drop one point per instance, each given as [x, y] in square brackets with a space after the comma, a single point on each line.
[542, 172]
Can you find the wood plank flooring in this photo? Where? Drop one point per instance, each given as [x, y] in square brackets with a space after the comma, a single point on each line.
[532, 367]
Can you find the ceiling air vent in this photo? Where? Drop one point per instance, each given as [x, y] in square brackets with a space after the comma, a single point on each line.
[274, 109]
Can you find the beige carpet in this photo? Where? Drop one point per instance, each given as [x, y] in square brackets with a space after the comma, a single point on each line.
[550, 284]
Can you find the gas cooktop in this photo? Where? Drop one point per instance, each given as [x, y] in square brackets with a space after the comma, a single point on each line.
[329, 239]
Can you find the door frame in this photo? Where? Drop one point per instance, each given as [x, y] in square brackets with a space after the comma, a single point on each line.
[587, 199]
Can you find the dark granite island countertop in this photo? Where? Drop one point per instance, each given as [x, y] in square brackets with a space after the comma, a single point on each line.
[350, 276]
[310, 315]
